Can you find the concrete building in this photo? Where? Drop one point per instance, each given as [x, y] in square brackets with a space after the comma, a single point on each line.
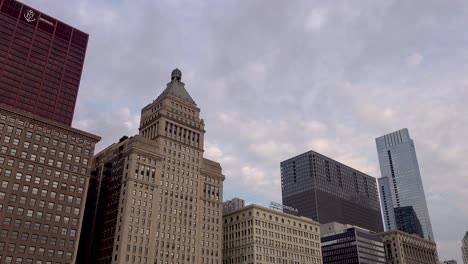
[44, 163]
[233, 205]
[44, 180]
[256, 234]
[41, 60]
[154, 198]
[464, 248]
[327, 191]
[401, 185]
[350, 244]
[407, 248]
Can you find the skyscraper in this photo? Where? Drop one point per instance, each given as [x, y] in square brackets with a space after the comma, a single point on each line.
[464, 248]
[327, 191]
[401, 183]
[43, 161]
[41, 60]
[153, 197]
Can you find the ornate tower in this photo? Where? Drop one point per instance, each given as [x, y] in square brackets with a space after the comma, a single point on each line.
[189, 228]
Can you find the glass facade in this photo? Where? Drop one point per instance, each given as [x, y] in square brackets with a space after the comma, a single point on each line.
[401, 183]
[326, 191]
[41, 61]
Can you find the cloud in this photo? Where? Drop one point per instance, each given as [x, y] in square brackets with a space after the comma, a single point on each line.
[414, 60]
[316, 19]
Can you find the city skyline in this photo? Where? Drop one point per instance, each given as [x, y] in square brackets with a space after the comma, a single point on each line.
[293, 88]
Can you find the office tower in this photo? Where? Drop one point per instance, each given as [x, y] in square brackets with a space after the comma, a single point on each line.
[350, 244]
[255, 234]
[401, 184]
[44, 179]
[43, 161]
[464, 248]
[327, 191]
[41, 60]
[153, 198]
[401, 247]
[233, 205]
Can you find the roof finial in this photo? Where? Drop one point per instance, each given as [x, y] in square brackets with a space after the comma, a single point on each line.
[176, 75]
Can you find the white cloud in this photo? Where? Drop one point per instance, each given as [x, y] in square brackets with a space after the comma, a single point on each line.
[316, 19]
[414, 59]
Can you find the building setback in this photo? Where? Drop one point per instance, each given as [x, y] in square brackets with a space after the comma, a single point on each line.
[402, 247]
[464, 248]
[350, 244]
[154, 198]
[44, 180]
[41, 60]
[327, 191]
[256, 234]
[401, 185]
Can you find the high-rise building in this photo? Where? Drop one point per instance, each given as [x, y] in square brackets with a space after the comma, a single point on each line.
[401, 184]
[41, 60]
[350, 244]
[233, 205]
[154, 198]
[44, 180]
[401, 247]
[44, 162]
[327, 191]
[256, 234]
[464, 248]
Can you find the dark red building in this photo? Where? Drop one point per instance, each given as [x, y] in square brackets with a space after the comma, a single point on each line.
[41, 61]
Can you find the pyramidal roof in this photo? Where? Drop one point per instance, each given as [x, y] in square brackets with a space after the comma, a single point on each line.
[177, 88]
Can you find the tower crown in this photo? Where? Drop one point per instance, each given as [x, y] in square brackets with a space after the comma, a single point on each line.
[176, 75]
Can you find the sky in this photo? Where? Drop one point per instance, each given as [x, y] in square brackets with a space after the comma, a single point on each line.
[277, 78]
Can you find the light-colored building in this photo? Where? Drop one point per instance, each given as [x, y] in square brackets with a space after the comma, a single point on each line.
[256, 234]
[407, 248]
[44, 175]
[464, 248]
[156, 200]
[350, 244]
[233, 205]
[401, 188]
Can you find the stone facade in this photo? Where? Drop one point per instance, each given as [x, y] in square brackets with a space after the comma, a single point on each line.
[233, 205]
[163, 200]
[44, 168]
[256, 234]
[407, 248]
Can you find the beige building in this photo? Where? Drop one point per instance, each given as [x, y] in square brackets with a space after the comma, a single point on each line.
[233, 205]
[155, 199]
[256, 234]
[44, 178]
[404, 248]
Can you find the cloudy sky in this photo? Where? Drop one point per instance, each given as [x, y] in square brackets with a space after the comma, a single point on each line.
[277, 78]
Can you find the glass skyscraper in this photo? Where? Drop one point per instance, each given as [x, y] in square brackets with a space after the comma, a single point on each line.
[401, 185]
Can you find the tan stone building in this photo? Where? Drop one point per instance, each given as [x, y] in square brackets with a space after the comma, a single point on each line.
[154, 198]
[44, 178]
[233, 205]
[256, 234]
[404, 248]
